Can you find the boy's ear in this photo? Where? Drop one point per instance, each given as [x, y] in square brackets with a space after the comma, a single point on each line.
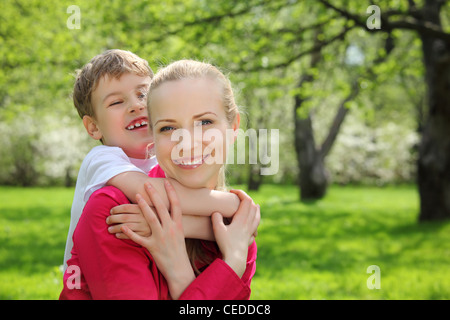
[91, 127]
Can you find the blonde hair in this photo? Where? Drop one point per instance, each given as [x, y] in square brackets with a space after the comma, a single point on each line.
[191, 69]
[113, 63]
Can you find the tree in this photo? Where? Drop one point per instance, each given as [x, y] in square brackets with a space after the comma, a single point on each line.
[291, 51]
[265, 36]
[434, 151]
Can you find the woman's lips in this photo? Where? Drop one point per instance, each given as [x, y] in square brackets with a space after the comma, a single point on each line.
[190, 163]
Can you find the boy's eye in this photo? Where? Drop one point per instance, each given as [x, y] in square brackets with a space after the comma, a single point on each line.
[142, 95]
[115, 103]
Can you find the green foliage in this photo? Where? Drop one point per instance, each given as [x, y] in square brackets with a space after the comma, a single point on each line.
[264, 45]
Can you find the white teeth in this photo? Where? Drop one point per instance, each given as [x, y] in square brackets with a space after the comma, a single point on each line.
[189, 163]
[137, 125]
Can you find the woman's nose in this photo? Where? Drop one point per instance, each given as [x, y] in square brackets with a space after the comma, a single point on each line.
[191, 139]
[191, 142]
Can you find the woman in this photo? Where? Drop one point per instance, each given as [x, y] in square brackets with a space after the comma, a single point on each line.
[184, 97]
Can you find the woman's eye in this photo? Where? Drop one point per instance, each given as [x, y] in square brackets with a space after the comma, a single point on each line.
[166, 128]
[205, 122]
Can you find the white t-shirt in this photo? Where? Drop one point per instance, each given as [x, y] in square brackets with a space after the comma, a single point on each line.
[100, 165]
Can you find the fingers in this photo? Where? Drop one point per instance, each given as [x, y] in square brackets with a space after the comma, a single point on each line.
[248, 214]
[217, 222]
[175, 208]
[159, 205]
[245, 207]
[256, 221]
[254, 218]
[122, 236]
[241, 194]
[125, 208]
[135, 237]
[217, 219]
[133, 226]
[149, 215]
[123, 218]
[135, 221]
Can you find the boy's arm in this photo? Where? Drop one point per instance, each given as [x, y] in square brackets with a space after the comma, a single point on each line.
[197, 227]
[199, 202]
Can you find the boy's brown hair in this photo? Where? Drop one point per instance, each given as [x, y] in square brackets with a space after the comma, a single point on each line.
[113, 63]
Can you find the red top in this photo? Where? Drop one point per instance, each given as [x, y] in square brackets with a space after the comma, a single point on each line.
[157, 172]
[110, 268]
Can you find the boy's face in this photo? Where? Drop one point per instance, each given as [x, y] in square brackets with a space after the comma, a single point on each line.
[121, 118]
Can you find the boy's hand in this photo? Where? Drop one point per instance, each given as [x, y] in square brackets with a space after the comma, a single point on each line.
[129, 215]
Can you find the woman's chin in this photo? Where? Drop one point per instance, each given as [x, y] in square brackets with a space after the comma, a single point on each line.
[203, 176]
[195, 182]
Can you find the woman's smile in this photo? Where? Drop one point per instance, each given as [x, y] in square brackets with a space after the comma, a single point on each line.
[190, 163]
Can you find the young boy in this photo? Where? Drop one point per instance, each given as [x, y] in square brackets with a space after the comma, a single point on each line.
[110, 97]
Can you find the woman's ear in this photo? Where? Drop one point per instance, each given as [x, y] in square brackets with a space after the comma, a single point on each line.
[91, 127]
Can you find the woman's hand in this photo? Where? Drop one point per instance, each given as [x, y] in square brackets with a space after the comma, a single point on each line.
[233, 239]
[129, 215]
[166, 242]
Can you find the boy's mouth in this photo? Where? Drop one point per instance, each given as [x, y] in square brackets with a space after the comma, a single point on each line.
[141, 122]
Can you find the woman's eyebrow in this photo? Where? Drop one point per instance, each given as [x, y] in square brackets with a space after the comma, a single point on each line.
[202, 114]
[164, 120]
[194, 117]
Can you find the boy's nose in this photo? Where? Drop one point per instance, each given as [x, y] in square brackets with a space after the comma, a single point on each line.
[136, 106]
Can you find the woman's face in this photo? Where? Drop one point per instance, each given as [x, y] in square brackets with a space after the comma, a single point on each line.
[189, 130]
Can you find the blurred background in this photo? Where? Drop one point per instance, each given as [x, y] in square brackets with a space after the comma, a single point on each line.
[358, 90]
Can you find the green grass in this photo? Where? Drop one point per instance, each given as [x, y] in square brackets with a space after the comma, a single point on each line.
[33, 230]
[319, 250]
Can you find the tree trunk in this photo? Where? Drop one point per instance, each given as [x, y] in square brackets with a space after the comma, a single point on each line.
[313, 178]
[434, 151]
[255, 178]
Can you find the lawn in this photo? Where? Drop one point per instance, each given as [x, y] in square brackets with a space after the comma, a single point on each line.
[319, 250]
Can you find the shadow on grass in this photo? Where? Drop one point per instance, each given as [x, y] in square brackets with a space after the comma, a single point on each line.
[306, 236]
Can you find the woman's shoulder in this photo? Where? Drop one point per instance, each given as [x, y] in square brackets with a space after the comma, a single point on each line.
[102, 200]
[109, 192]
